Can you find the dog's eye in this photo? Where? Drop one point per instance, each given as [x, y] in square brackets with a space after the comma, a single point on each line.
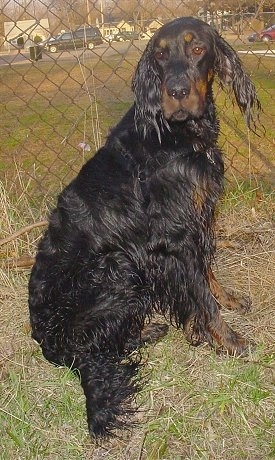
[197, 50]
[160, 55]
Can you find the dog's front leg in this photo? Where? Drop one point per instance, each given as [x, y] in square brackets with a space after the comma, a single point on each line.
[207, 324]
[226, 299]
[108, 384]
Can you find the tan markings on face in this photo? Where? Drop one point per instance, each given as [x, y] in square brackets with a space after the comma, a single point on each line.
[201, 86]
[188, 37]
[163, 43]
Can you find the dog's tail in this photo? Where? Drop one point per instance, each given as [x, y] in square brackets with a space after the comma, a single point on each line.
[109, 383]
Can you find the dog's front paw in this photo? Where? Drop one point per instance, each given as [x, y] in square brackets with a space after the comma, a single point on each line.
[240, 346]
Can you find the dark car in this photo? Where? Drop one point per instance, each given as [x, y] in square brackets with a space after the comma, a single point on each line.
[265, 35]
[87, 37]
[124, 36]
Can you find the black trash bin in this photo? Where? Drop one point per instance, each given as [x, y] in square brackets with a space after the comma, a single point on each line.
[35, 53]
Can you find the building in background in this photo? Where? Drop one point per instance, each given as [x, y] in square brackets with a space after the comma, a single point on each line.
[23, 34]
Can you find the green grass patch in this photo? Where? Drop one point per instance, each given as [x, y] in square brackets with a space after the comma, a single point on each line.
[208, 406]
[240, 194]
[31, 417]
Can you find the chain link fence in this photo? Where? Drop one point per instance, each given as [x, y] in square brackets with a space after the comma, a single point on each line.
[66, 68]
[65, 73]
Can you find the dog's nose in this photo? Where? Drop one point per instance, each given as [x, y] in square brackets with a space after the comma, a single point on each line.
[178, 92]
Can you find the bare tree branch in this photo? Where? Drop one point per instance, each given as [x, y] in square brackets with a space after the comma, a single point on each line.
[23, 230]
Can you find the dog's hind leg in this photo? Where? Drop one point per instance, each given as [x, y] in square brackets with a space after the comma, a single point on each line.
[150, 334]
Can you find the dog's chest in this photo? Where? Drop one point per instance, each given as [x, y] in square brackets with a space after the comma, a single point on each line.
[178, 178]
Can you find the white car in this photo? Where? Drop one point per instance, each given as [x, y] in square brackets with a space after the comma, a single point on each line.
[109, 38]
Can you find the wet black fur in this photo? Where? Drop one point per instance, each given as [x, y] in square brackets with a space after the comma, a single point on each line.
[127, 238]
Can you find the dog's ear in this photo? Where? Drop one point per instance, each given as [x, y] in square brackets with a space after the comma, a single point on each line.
[230, 71]
[146, 86]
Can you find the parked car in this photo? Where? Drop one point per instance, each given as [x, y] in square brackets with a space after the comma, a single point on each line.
[265, 35]
[146, 35]
[87, 37]
[109, 38]
[124, 36]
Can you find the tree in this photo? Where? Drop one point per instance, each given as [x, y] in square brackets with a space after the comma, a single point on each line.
[140, 10]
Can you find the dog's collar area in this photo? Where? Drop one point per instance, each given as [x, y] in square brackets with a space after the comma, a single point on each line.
[199, 147]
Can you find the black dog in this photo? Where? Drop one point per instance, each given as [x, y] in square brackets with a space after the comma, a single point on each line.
[133, 233]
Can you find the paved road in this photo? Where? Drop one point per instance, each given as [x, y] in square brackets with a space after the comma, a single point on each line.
[267, 53]
[16, 57]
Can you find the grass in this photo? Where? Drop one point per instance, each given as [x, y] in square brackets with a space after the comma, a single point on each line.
[196, 404]
[219, 405]
[48, 114]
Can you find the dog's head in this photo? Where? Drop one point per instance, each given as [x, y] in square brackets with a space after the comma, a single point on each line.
[173, 80]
